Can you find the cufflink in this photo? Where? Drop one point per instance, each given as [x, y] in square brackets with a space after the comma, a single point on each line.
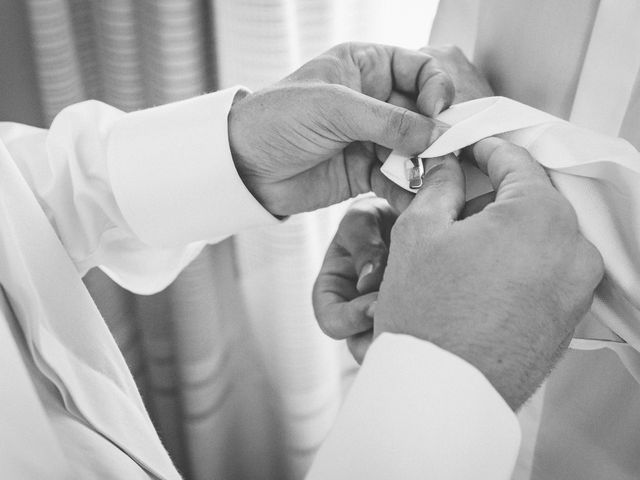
[414, 168]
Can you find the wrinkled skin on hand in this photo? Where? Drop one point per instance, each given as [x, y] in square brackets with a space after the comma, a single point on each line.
[318, 136]
[338, 301]
[502, 288]
[346, 289]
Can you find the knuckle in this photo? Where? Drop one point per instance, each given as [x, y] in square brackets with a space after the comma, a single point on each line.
[593, 262]
[327, 324]
[363, 52]
[507, 150]
[344, 48]
[451, 50]
[400, 122]
[359, 53]
[447, 51]
[332, 67]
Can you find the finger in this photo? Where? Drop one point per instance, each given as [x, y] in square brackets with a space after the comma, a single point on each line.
[398, 197]
[340, 318]
[413, 73]
[403, 100]
[442, 196]
[361, 118]
[364, 234]
[379, 70]
[359, 344]
[511, 169]
[420, 74]
[400, 100]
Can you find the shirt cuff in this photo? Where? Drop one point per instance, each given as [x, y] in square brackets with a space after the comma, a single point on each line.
[416, 411]
[173, 175]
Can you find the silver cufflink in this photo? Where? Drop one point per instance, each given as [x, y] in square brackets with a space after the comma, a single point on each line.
[415, 171]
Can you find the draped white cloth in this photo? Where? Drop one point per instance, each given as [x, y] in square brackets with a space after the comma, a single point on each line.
[233, 369]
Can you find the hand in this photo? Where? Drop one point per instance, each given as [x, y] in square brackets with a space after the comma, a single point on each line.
[318, 136]
[346, 289]
[504, 288]
[468, 81]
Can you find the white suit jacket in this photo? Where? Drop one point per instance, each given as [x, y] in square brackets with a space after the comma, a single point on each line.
[139, 195]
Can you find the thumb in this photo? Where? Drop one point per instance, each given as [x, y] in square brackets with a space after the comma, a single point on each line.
[442, 197]
[512, 170]
[363, 118]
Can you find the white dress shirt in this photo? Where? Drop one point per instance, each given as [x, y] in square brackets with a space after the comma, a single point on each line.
[139, 195]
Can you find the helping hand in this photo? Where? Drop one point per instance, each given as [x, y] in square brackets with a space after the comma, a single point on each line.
[503, 288]
[346, 289]
[318, 136]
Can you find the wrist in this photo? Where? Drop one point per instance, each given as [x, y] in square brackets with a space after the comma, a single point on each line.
[236, 133]
[508, 368]
[240, 130]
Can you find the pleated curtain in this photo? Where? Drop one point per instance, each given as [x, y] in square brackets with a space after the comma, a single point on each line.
[234, 371]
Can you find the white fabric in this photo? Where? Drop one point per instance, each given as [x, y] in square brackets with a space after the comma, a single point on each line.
[144, 145]
[588, 422]
[435, 418]
[615, 28]
[598, 174]
[66, 199]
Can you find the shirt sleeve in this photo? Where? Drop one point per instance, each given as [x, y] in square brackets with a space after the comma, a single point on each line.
[416, 411]
[137, 194]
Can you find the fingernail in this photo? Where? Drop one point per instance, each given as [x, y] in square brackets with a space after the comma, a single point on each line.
[371, 309]
[366, 270]
[438, 106]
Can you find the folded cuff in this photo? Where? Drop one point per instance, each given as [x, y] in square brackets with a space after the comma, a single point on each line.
[173, 175]
[417, 411]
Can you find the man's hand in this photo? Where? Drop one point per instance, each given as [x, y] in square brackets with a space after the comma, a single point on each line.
[468, 81]
[346, 289]
[318, 136]
[504, 288]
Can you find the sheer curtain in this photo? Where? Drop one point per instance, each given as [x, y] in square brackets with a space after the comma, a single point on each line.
[234, 371]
